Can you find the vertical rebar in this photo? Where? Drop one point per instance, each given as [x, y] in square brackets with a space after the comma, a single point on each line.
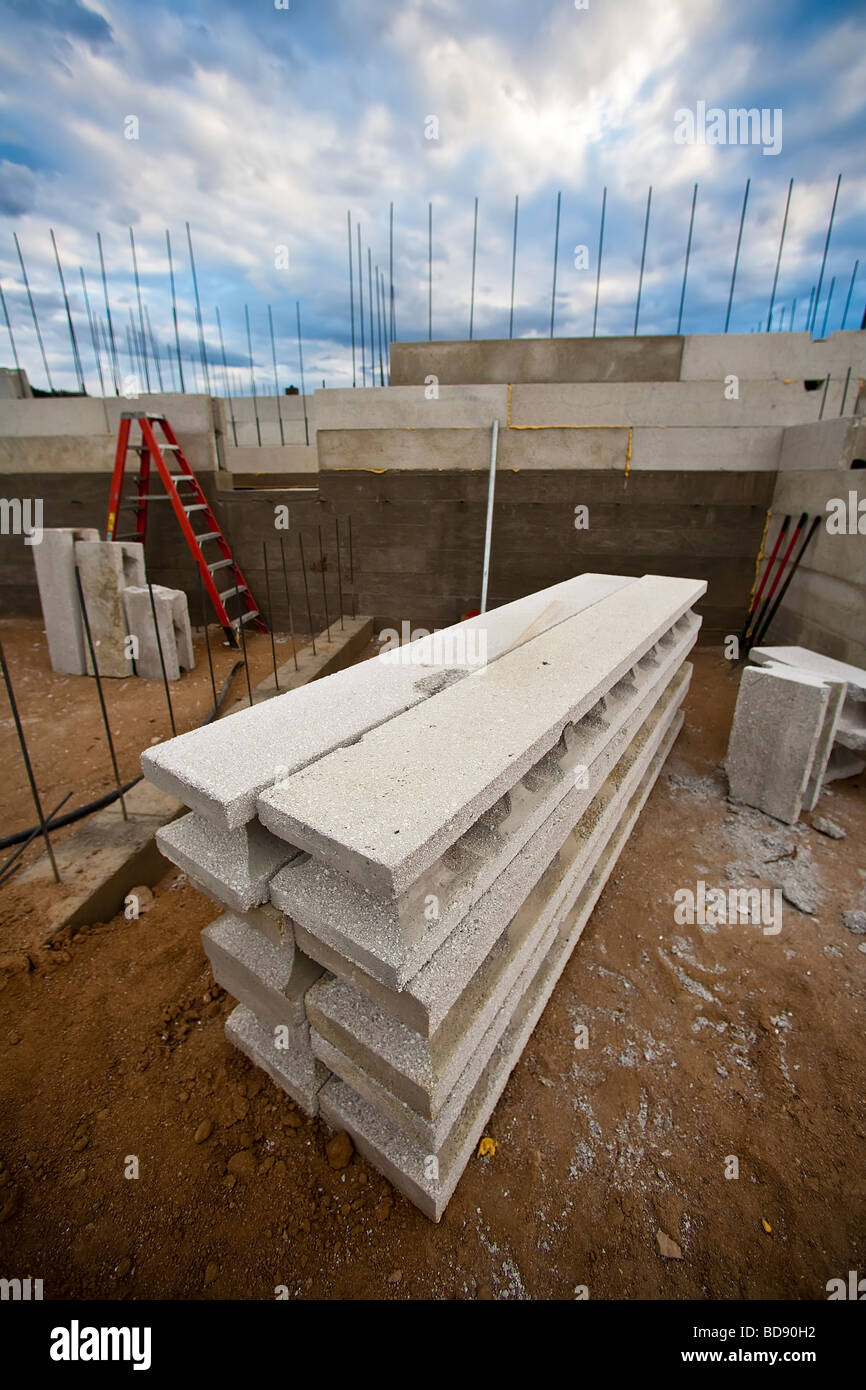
[207, 634]
[361, 304]
[88, 634]
[153, 614]
[393, 328]
[252, 376]
[352, 292]
[12, 340]
[33, 311]
[779, 255]
[686, 262]
[826, 249]
[737, 255]
[199, 320]
[301, 368]
[22, 742]
[339, 561]
[324, 586]
[112, 343]
[270, 612]
[827, 306]
[793, 312]
[430, 272]
[76, 356]
[845, 391]
[380, 298]
[276, 382]
[598, 267]
[649, 197]
[351, 567]
[370, 311]
[307, 592]
[174, 311]
[243, 627]
[513, 270]
[474, 249]
[140, 310]
[809, 310]
[824, 396]
[93, 338]
[289, 604]
[226, 376]
[850, 292]
[153, 346]
[555, 259]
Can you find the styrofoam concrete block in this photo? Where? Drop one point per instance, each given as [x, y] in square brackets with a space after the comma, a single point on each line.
[270, 980]
[422, 1071]
[777, 724]
[428, 1177]
[817, 663]
[219, 769]
[54, 559]
[236, 866]
[385, 808]
[106, 568]
[394, 937]
[829, 729]
[291, 1067]
[429, 970]
[175, 634]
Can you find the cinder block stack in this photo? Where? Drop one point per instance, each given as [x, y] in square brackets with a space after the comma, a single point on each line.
[433, 833]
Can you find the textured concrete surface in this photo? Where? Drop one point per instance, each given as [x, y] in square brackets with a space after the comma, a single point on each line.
[778, 720]
[106, 568]
[292, 1067]
[54, 559]
[175, 635]
[236, 866]
[219, 770]
[269, 980]
[384, 809]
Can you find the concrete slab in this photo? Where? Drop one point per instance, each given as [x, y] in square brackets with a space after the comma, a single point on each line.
[333, 653]
[817, 663]
[269, 980]
[235, 865]
[393, 937]
[175, 634]
[778, 720]
[106, 568]
[384, 809]
[54, 559]
[220, 770]
[292, 1067]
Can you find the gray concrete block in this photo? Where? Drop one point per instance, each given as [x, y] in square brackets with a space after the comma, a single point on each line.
[106, 568]
[270, 980]
[428, 971]
[54, 558]
[829, 729]
[393, 937]
[220, 769]
[175, 634]
[291, 1067]
[778, 720]
[236, 866]
[422, 1071]
[817, 663]
[385, 808]
[428, 1177]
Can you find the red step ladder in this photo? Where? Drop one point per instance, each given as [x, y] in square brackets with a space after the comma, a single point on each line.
[193, 503]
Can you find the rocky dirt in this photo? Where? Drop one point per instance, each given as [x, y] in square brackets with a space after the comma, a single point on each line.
[141, 1157]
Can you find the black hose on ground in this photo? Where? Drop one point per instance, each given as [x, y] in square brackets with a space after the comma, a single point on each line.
[71, 816]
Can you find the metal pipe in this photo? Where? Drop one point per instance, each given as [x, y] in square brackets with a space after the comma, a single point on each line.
[555, 259]
[174, 312]
[598, 267]
[737, 255]
[686, 263]
[488, 529]
[826, 249]
[779, 256]
[649, 197]
[762, 633]
[76, 356]
[474, 249]
[513, 270]
[98, 679]
[22, 742]
[276, 383]
[33, 311]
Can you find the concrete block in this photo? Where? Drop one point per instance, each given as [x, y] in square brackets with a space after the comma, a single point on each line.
[422, 1071]
[383, 810]
[236, 866]
[220, 769]
[175, 634]
[106, 568]
[428, 1176]
[829, 729]
[293, 1068]
[270, 980]
[335, 915]
[54, 559]
[817, 663]
[777, 725]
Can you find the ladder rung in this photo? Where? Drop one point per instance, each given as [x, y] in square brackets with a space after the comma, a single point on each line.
[218, 564]
[197, 507]
[246, 617]
[154, 497]
[181, 478]
[128, 536]
[208, 536]
[153, 417]
[230, 593]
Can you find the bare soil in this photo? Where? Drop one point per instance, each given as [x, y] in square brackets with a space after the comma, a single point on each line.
[704, 1044]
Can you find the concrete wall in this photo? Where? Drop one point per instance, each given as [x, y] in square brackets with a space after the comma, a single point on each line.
[503, 360]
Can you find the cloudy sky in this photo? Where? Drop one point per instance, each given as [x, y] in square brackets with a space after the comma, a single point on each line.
[262, 126]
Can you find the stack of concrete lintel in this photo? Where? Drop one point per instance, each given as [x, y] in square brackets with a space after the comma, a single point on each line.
[427, 834]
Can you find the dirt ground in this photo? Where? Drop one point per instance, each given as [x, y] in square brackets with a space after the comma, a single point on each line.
[704, 1043]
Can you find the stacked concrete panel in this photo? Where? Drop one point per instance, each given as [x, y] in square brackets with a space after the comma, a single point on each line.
[432, 828]
[162, 610]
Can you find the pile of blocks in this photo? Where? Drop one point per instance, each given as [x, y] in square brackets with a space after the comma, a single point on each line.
[799, 721]
[118, 604]
[409, 849]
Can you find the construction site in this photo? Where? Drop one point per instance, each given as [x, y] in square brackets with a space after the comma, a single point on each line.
[431, 843]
